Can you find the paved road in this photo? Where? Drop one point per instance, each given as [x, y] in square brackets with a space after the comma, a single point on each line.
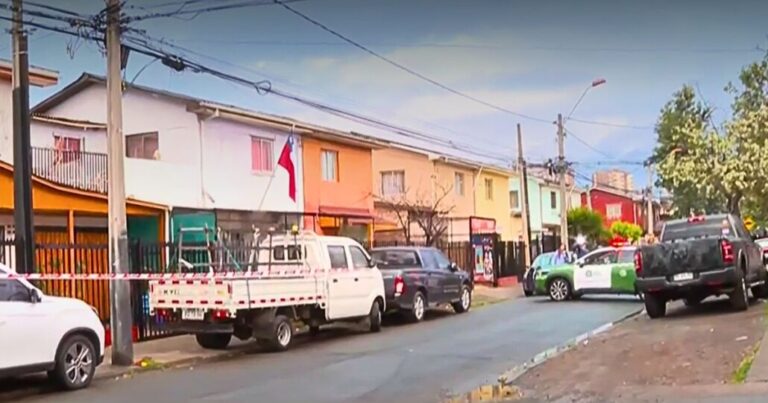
[446, 355]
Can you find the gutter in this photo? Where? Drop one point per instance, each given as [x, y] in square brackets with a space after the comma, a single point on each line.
[201, 119]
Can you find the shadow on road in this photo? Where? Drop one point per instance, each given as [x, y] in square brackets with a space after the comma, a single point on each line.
[708, 307]
[590, 300]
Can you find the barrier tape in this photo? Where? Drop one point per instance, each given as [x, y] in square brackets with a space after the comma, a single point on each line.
[161, 276]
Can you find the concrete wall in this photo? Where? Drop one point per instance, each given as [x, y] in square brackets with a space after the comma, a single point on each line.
[498, 206]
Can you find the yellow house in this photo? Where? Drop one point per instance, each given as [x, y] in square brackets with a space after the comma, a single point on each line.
[492, 200]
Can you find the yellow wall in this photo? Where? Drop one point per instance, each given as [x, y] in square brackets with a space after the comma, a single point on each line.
[498, 206]
[417, 169]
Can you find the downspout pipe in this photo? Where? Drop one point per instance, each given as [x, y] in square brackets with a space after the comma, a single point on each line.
[204, 196]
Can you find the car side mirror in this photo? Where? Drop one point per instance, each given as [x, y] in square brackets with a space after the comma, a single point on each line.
[453, 267]
[35, 296]
[371, 264]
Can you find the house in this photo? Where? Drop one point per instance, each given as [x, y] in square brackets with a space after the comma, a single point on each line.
[492, 200]
[38, 77]
[613, 205]
[425, 182]
[216, 165]
[543, 203]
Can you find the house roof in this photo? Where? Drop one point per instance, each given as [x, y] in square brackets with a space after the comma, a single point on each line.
[611, 191]
[199, 105]
[38, 76]
[75, 123]
[451, 160]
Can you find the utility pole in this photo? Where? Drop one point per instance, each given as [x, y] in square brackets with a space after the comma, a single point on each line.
[120, 318]
[523, 170]
[649, 198]
[562, 168]
[22, 151]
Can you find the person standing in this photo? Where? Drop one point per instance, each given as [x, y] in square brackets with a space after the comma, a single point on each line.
[561, 257]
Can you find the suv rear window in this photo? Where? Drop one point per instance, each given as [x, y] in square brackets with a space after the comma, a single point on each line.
[703, 228]
[395, 259]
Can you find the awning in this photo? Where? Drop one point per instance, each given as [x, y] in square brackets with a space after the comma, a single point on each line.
[345, 212]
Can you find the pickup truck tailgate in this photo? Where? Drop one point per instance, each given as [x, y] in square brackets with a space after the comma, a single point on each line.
[189, 293]
[697, 255]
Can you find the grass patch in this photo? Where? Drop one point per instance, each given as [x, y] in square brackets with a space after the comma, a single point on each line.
[740, 374]
[480, 301]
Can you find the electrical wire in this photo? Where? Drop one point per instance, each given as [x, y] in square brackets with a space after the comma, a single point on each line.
[198, 11]
[590, 146]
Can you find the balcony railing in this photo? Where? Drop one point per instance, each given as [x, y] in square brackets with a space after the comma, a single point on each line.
[78, 169]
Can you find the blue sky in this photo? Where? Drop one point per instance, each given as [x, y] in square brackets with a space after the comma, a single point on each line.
[533, 57]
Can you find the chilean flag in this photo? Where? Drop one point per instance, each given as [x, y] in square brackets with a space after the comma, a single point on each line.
[286, 162]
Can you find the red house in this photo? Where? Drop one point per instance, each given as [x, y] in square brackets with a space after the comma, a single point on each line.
[613, 206]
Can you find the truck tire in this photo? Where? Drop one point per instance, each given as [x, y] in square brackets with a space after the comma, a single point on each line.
[213, 341]
[465, 301]
[655, 306]
[738, 297]
[282, 334]
[374, 318]
[419, 307]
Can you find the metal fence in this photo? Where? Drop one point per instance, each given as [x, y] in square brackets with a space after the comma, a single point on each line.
[79, 169]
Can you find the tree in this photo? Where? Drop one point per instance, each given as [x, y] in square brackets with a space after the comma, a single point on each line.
[428, 214]
[626, 230]
[588, 223]
[711, 168]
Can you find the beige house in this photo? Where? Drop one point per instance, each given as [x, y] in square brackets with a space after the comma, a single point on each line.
[408, 178]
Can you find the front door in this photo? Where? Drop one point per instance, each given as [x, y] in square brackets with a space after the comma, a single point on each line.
[365, 279]
[435, 279]
[24, 327]
[623, 277]
[451, 281]
[594, 274]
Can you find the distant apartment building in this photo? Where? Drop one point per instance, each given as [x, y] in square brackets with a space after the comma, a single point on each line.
[614, 179]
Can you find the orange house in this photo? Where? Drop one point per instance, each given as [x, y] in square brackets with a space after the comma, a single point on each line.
[338, 183]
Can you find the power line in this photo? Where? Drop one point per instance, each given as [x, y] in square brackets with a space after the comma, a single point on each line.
[590, 146]
[198, 11]
[593, 122]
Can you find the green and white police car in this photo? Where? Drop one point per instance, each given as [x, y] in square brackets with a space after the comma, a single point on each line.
[609, 270]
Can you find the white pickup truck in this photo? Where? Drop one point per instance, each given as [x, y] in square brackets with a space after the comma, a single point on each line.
[286, 279]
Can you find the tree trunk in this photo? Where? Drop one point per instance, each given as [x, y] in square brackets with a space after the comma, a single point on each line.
[734, 203]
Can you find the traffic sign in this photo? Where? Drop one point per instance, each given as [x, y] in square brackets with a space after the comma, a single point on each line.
[749, 223]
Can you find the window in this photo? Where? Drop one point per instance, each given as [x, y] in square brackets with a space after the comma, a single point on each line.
[142, 145]
[67, 148]
[488, 189]
[627, 256]
[394, 259]
[359, 259]
[338, 257]
[601, 257]
[12, 290]
[514, 200]
[443, 263]
[329, 165]
[262, 154]
[392, 183]
[613, 211]
[553, 200]
[429, 259]
[458, 183]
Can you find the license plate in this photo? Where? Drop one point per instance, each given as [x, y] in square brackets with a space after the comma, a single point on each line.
[682, 277]
[193, 314]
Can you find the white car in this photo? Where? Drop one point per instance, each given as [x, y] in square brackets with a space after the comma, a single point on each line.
[63, 336]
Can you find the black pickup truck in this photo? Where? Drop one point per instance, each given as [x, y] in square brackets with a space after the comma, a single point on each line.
[698, 257]
[418, 278]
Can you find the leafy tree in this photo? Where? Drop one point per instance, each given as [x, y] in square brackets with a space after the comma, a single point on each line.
[626, 230]
[588, 223]
[717, 169]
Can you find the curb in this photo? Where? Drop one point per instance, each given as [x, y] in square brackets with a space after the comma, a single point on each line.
[515, 373]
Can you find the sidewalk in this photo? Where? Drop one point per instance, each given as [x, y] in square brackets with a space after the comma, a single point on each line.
[758, 373]
[485, 295]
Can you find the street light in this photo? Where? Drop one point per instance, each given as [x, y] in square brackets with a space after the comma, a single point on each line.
[595, 83]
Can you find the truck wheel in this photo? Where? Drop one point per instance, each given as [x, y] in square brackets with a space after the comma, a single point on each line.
[655, 306]
[465, 301]
[282, 334]
[559, 290]
[213, 341]
[416, 314]
[374, 317]
[738, 297]
[75, 363]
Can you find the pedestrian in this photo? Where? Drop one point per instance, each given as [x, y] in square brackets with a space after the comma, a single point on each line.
[561, 257]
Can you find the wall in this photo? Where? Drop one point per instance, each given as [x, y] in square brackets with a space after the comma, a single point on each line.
[534, 205]
[229, 179]
[6, 121]
[549, 216]
[354, 187]
[41, 135]
[498, 207]
[417, 167]
[461, 205]
[601, 199]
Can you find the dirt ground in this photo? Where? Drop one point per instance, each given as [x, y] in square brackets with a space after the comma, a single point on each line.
[691, 346]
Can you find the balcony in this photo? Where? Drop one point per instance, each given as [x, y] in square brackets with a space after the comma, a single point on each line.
[77, 169]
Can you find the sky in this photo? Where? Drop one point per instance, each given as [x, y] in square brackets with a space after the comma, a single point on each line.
[532, 57]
